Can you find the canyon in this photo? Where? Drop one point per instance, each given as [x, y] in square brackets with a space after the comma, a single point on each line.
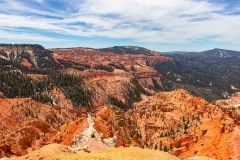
[85, 103]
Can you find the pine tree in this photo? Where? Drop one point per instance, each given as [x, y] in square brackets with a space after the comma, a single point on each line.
[160, 146]
[178, 145]
[171, 146]
[165, 148]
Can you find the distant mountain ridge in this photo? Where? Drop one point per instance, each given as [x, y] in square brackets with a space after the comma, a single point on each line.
[128, 50]
[211, 74]
[220, 53]
[213, 53]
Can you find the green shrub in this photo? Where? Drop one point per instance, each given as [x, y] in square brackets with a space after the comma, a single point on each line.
[131, 95]
[165, 148]
[105, 68]
[139, 88]
[42, 98]
[116, 102]
[73, 88]
[13, 84]
[178, 145]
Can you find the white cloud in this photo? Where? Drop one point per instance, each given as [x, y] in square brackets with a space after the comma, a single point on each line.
[14, 7]
[26, 36]
[171, 21]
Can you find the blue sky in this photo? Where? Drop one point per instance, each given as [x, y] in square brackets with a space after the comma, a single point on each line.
[163, 25]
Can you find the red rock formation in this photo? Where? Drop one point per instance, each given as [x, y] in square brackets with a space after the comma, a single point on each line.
[109, 121]
[125, 66]
[231, 107]
[185, 125]
[176, 121]
[29, 124]
[66, 134]
[119, 71]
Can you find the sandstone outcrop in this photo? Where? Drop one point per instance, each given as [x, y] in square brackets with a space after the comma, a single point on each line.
[29, 124]
[185, 125]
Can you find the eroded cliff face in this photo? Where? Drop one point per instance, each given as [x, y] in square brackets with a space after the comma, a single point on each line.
[108, 126]
[119, 66]
[112, 75]
[83, 135]
[176, 122]
[185, 126]
[27, 124]
[26, 56]
[231, 106]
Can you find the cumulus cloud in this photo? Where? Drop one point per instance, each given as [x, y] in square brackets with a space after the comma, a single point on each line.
[171, 21]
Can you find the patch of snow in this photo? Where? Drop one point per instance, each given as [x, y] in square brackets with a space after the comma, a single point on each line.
[178, 79]
[225, 95]
[221, 54]
[237, 105]
[34, 61]
[233, 87]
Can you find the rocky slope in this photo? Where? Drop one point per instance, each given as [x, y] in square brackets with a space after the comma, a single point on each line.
[231, 106]
[174, 122]
[112, 74]
[26, 57]
[211, 74]
[29, 124]
[185, 126]
[108, 124]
